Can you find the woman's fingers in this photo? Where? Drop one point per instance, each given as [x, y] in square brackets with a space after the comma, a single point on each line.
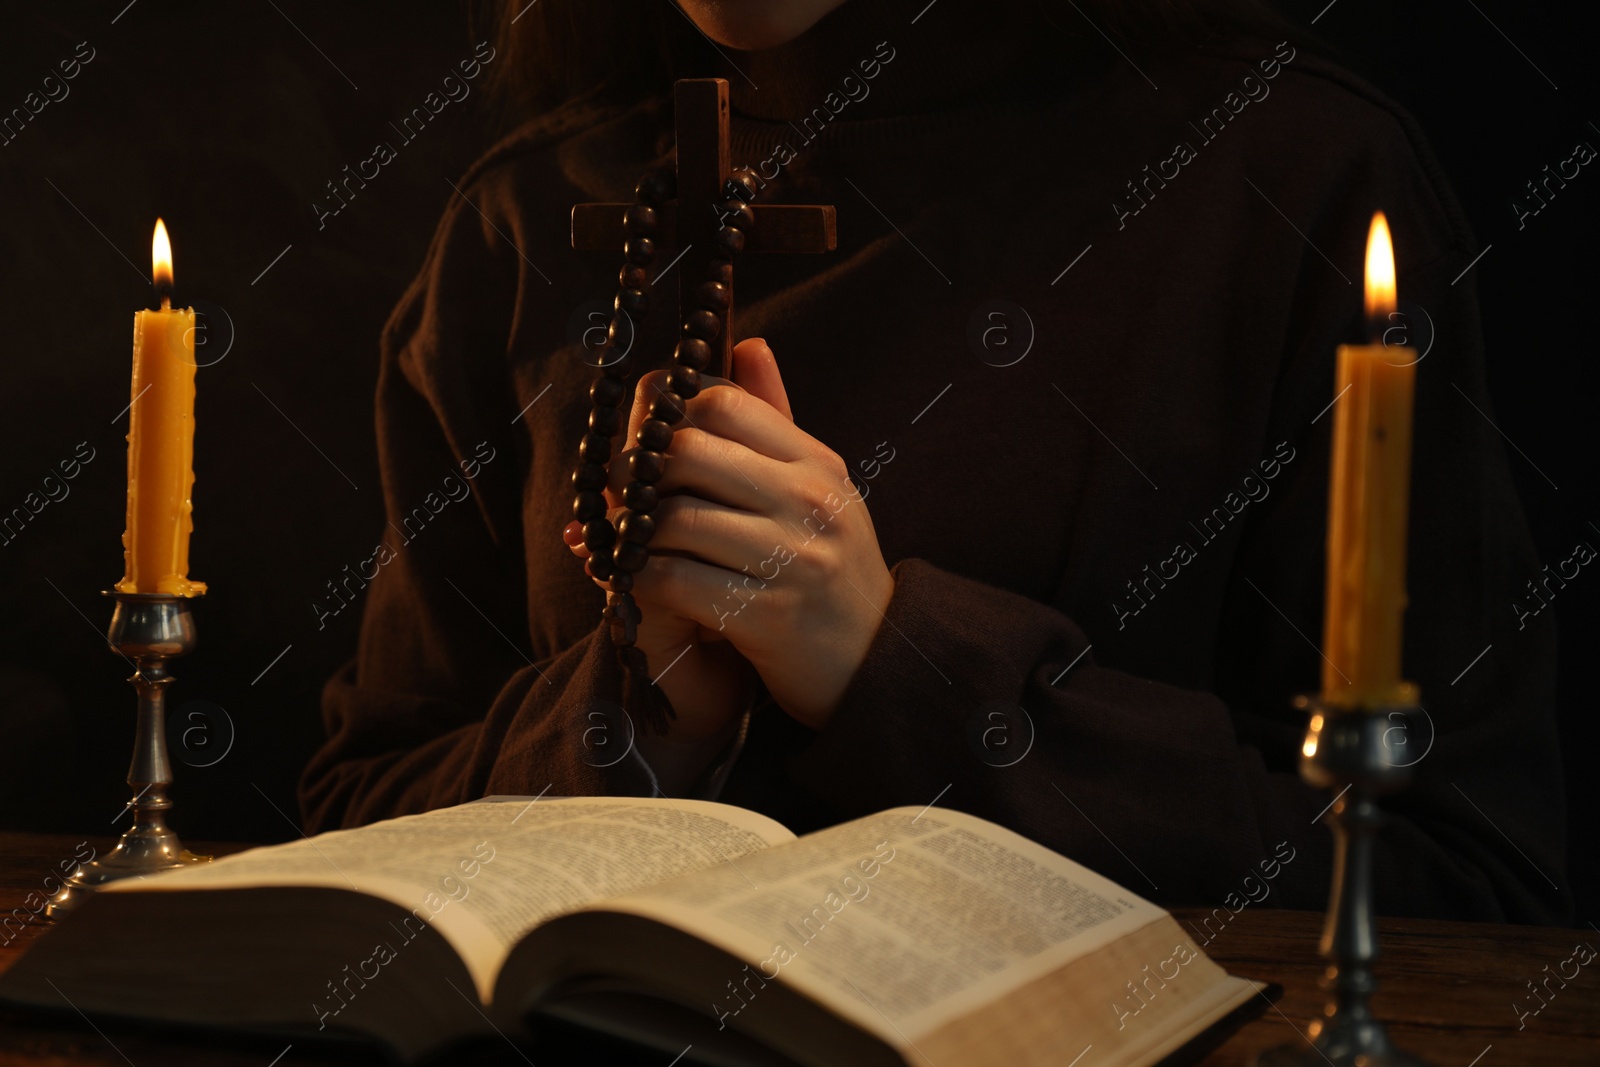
[708, 595]
[724, 409]
[732, 442]
[713, 533]
[751, 547]
[572, 535]
[719, 470]
[740, 544]
[727, 436]
[731, 412]
[755, 369]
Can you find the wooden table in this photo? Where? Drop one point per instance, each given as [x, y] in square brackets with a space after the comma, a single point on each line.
[1447, 992]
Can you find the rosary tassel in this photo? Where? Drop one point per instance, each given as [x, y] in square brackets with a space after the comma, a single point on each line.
[640, 696]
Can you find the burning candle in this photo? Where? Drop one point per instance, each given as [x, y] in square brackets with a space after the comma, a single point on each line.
[1367, 501]
[160, 441]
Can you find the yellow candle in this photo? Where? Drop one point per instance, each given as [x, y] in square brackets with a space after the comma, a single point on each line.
[155, 546]
[1367, 500]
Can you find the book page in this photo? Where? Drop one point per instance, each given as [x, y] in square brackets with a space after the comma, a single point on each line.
[898, 921]
[485, 873]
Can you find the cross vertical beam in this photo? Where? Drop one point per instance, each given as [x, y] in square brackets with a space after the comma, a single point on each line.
[701, 118]
[690, 225]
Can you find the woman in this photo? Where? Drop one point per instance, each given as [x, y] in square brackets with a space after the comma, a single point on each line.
[1029, 477]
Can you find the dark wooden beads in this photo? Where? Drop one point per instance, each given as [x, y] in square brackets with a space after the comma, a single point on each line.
[632, 302]
[703, 324]
[669, 408]
[618, 552]
[655, 434]
[736, 213]
[685, 382]
[589, 476]
[641, 220]
[630, 556]
[647, 466]
[640, 497]
[607, 392]
[640, 528]
[598, 534]
[640, 251]
[713, 296]
[619, 331]
[692, 353]
[657, 187]
[742, 184]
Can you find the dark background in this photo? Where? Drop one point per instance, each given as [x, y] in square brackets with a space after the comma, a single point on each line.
[228, 119]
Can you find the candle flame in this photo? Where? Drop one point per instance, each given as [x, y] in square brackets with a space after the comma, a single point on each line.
[1381, 296]
[161, 257]
[1309, 748]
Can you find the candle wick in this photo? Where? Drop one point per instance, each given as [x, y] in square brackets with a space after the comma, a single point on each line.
[1377, 329]
[166, 303]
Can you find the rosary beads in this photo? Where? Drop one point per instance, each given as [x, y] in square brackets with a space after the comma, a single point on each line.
[618, 552]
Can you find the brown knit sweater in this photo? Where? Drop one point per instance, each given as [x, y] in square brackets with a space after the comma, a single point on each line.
[1110, 550]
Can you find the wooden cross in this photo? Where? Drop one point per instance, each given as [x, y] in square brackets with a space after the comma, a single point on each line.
[690, 227]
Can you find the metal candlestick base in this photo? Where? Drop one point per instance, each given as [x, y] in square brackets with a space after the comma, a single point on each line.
[1359, 752]
[149, 629]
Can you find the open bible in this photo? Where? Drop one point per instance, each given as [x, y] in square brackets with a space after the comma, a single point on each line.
[907, 937]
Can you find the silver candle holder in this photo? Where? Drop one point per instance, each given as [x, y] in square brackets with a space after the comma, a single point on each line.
[149, 629]
[1350, 750]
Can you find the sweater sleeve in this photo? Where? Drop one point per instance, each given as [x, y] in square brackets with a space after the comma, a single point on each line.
[460, 688]
[992, 703]
[999, 705]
